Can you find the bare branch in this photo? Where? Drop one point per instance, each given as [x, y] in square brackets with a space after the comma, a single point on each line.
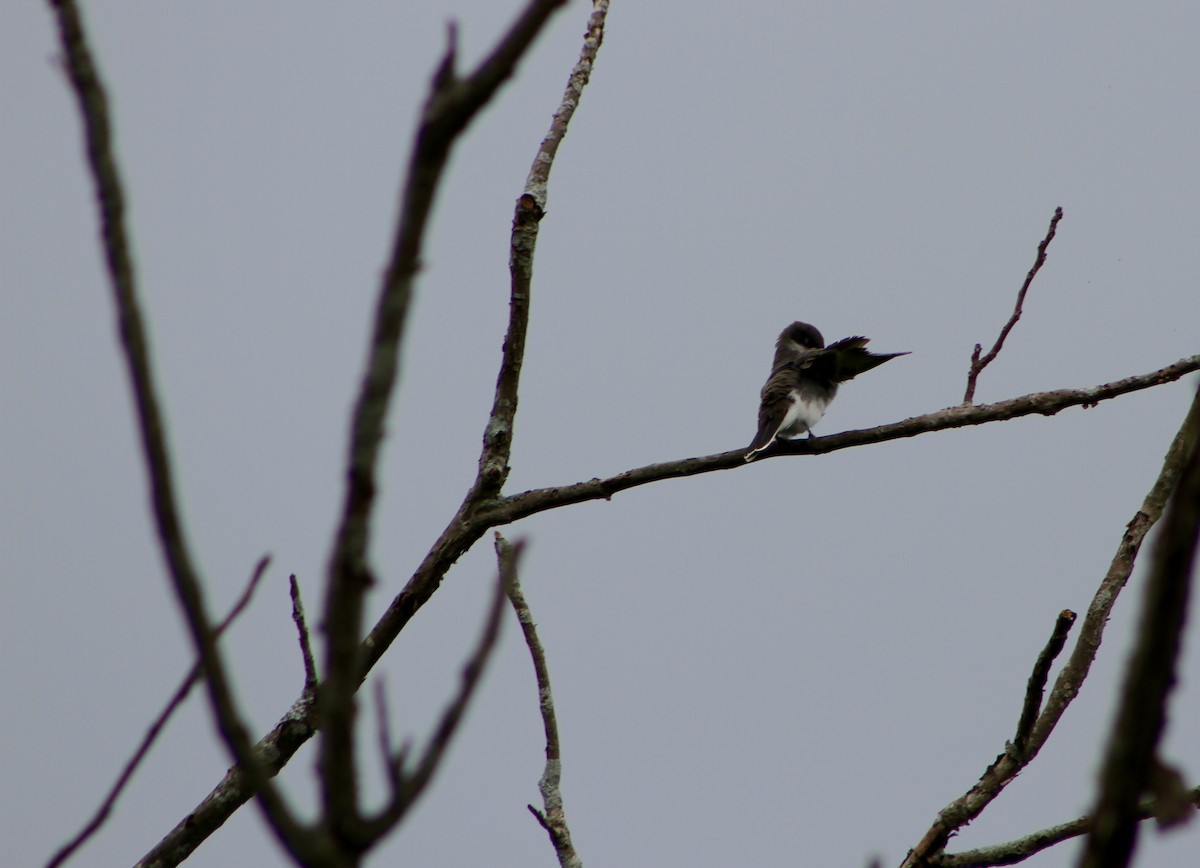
[412, 783]
[296, 727]
[1006, 766]
[451, 105]
[93, 105]
[143, 749]
[517, 506]
[978, 364]
[554, 820]
[1130, 761]
[310, 667]
[530, 208]
[393, 764]
[1036, 688]
[471, 522]
[1020, 849]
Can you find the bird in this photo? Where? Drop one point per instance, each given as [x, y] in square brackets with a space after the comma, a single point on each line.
[804, 380]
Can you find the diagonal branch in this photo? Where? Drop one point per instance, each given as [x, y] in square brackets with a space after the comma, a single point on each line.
[143, 749]
[93, 107]
[1066, 687]
[452, 104]
[1020, 849]
[1141, 717]
[530, 208]
[978, 364]
[553, 818]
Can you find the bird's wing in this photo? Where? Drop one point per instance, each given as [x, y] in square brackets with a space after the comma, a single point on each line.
[847, 358]
[773, 408]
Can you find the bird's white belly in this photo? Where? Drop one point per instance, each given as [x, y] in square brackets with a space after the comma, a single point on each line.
[804, 411]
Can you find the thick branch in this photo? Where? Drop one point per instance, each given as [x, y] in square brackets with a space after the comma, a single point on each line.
[452, 104]
[1006, 766]
[1130, 759]
[978, 364]
[93, 106]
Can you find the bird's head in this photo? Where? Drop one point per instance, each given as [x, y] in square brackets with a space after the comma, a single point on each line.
[800, 336]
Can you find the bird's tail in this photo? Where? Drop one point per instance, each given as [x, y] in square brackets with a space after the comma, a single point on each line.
[761, 441]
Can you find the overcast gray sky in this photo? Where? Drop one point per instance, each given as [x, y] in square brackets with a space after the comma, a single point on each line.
[797, 662]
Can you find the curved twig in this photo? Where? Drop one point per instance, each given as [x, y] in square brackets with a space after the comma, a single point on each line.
[977, 363]
[143, 749]
[553, 818]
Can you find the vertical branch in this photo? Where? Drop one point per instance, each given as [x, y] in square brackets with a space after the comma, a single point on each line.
[311, 681]
[530, 208]
[553, 818]
[978, 364]
[1130, 762]
[451, 105]
[93, 106]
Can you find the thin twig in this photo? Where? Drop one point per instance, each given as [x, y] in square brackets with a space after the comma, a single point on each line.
[1035, 689]
[554, 818]
[1020, 849]
[143, 749]
[978, 364]
[1006, 766]
[530, 208]
[392, 767]
[1130, 758]
[310, 666]
[452, 104]
[414, 782]
[93, 106]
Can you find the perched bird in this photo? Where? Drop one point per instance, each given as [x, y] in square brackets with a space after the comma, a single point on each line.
[804, 379]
